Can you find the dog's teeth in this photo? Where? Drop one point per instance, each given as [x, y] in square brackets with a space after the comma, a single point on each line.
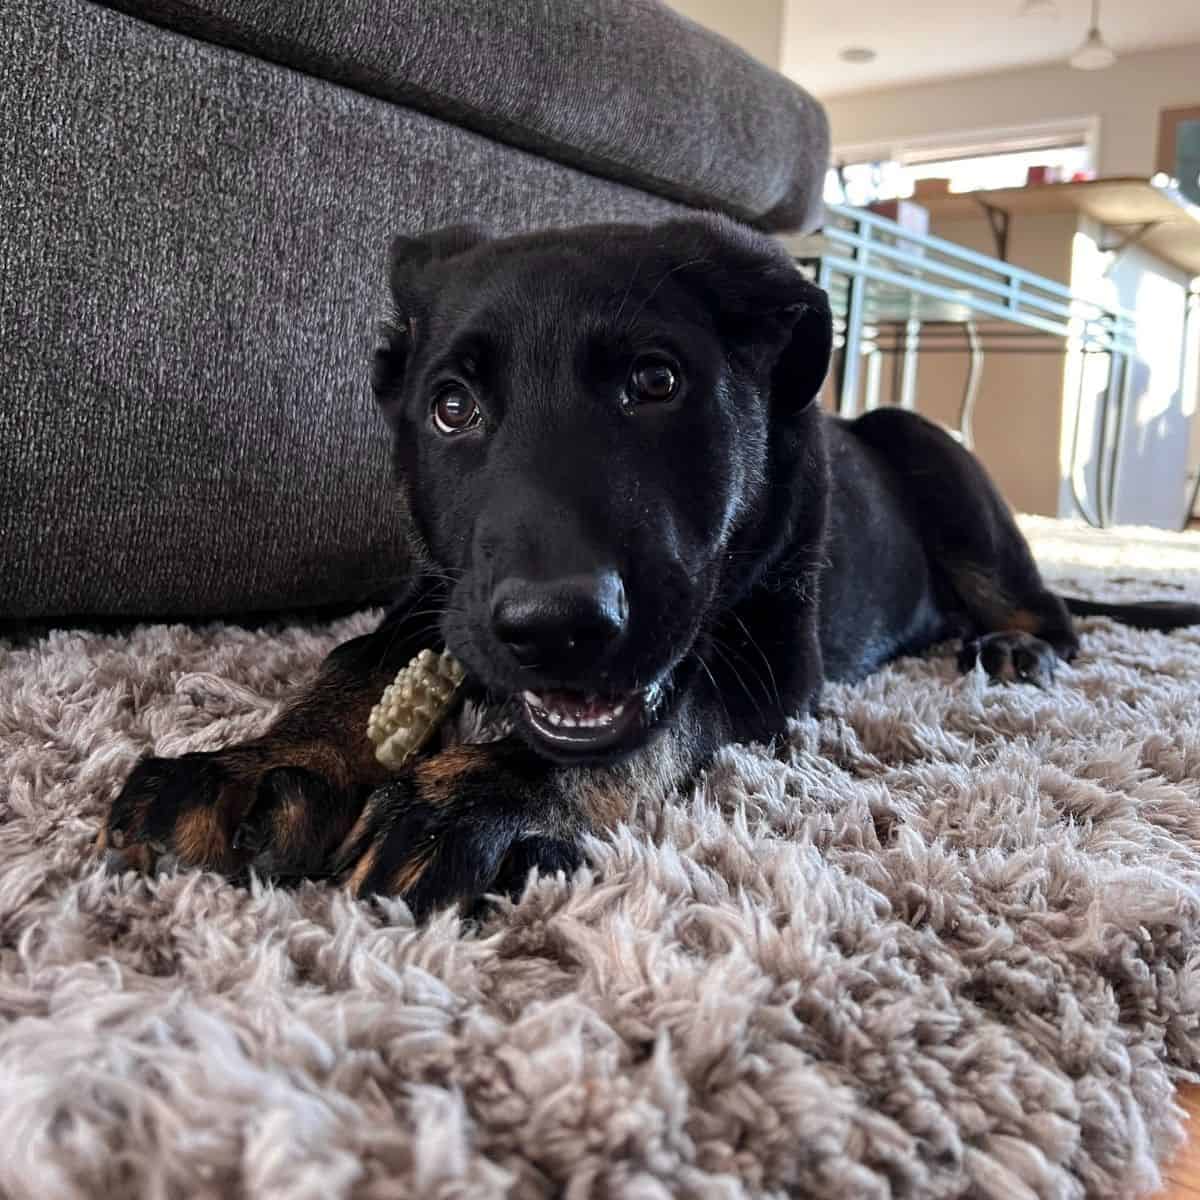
[568, 711]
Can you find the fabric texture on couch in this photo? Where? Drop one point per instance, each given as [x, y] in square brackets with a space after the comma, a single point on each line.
[192, 247]
[627, 89]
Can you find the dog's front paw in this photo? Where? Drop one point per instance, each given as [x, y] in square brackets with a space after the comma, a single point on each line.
[280, 810]
[467, 822]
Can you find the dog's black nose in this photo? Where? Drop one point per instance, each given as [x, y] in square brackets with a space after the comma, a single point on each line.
[560, 625]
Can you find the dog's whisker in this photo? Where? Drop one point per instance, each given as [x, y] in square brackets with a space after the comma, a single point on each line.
[762, 654]
[717, 692]
[717, 648]
[629, 287]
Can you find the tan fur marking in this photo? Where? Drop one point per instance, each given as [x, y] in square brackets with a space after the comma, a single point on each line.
[324, 729]
[290, 824]
[1026, 622]
[140, 858]
[409, 875]
[604, 797]
[199, 836]
[439, 777]
[600, 801]
[318, 757]
[365, 866]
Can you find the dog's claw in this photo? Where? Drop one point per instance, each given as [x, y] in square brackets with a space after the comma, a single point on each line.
[116, 863]
[1033, 669]
[142, 858]
[250, 836]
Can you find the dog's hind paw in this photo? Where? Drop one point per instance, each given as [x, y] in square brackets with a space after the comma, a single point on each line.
[1011, 657]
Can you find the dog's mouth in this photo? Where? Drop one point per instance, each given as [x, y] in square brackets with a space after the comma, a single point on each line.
[580, 722]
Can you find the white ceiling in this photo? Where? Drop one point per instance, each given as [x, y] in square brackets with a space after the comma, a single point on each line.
[918, 40]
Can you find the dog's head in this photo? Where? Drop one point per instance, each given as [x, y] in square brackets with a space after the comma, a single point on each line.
[599, 432]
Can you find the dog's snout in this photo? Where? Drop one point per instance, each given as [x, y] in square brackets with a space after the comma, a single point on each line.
[560, 625]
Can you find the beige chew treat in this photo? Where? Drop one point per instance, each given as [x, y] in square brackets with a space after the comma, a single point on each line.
[413, 706]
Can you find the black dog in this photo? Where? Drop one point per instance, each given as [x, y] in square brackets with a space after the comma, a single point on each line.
[643, 539]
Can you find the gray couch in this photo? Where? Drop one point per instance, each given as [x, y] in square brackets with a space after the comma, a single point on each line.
[197, 196]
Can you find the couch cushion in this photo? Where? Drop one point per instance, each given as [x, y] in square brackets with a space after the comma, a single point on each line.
[627, 89]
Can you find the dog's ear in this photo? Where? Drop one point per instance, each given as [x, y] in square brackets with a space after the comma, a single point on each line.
[805, 350]
[409, 258]
[763, 303]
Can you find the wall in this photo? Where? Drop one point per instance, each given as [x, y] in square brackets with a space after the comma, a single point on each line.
[1126, 98]
[755, 25]
[1153, 462]
[1025, 418]
[1191, 387]
[1019, 408]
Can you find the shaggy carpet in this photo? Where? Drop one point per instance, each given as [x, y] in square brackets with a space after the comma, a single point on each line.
[943, 942]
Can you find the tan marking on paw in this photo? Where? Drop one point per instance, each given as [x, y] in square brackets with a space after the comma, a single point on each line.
[1023, 621]
[140, 857]
[199, 836]
[289, 825]
[439, 778]
[409, 875]
[361, 873]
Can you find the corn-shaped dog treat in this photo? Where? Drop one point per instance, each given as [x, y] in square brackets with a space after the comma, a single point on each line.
[413, 706]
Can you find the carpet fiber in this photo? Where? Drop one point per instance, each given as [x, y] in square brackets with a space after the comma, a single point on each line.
[944, 942]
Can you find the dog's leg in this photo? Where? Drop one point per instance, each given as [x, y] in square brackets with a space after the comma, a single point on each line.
[1010, 622]
[1019, 630]
[284, 802]
[453, 826]
[476, 819]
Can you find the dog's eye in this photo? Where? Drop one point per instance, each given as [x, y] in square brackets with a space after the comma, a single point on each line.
[652, 381]
[455, 410]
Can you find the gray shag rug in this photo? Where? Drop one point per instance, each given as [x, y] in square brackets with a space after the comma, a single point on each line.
[944, 942]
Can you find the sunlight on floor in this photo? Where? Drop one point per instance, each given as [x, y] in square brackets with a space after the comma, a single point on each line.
[1061, 547]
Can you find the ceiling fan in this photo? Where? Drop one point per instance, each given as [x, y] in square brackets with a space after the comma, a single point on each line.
[1094, 53]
